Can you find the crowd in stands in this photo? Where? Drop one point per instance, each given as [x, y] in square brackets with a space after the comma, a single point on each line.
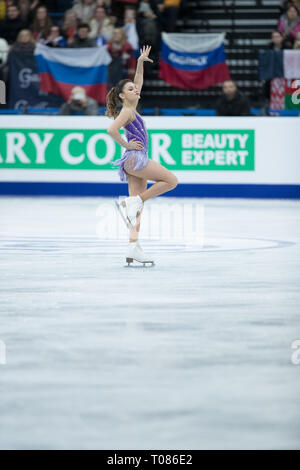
[123, 25]
[287, 34]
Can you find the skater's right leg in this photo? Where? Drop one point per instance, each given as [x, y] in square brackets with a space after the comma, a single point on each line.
[134, 250]
[136, 186]
[165, 179]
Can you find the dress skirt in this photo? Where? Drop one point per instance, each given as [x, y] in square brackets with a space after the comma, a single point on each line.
[131, 160]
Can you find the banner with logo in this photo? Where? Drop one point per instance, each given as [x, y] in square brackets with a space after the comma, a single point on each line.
[24, 85]
[180, 149]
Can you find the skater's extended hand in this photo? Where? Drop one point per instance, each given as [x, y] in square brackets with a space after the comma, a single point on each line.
[144, 57]
[134, 144]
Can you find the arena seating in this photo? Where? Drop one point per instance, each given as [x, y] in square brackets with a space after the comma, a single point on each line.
[248, 24]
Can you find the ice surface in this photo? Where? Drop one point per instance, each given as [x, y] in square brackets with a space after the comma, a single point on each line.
[193, 353]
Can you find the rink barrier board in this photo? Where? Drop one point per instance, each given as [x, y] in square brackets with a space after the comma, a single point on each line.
[272, 147]
[265, 191]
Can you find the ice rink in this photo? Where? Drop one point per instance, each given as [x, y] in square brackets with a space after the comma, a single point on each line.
[193, 353]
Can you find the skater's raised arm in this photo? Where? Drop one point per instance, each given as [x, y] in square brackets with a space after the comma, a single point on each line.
[144, 57]
[125, 116]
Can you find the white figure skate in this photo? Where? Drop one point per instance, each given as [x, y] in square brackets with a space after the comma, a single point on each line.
[135, 252]
[129, 209]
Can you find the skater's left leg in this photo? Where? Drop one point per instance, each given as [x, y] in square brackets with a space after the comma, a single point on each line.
[164, 179]
[136, 186]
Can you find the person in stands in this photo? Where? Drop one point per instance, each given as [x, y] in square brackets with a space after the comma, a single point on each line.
[289, 24]
[81, 39]
[79, 103]
[232, 102]
[12, 24]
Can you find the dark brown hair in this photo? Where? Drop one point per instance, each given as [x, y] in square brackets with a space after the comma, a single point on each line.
[83, 25]
[113, 101]
[44, 29]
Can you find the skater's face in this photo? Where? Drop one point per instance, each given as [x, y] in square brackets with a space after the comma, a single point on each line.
[130, 93]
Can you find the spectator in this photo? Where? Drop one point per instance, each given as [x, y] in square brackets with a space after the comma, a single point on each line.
[69, 26]
[41, 24]
[277, 42]
[81, 39]
[289, 25]
[51, 5]
[297, 41]
[121, 65]
[12, 24]
[118, 9]
[158, 8]
[232, 103]
[148, 27]
[273, 64]
[171, 8]
[55, 39]
[130, 28]
[84, 10]
[28, 9]
[24, 7]
[101, 24]
[79, 102]
[25, 42]
[106, 4]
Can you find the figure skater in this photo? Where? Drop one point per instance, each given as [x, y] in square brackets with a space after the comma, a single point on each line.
[135, 166]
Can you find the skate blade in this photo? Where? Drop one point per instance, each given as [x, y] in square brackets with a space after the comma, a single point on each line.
[142, 264]
[125, 220]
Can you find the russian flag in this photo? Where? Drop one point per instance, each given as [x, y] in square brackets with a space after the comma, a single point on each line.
[193, 61]
[60, 69]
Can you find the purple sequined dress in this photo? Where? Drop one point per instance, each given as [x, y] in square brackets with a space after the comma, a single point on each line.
[134, 159]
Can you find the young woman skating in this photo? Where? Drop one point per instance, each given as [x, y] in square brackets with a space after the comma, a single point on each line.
[135, 165]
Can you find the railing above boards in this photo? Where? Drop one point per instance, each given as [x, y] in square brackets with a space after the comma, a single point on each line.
[157, 112]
